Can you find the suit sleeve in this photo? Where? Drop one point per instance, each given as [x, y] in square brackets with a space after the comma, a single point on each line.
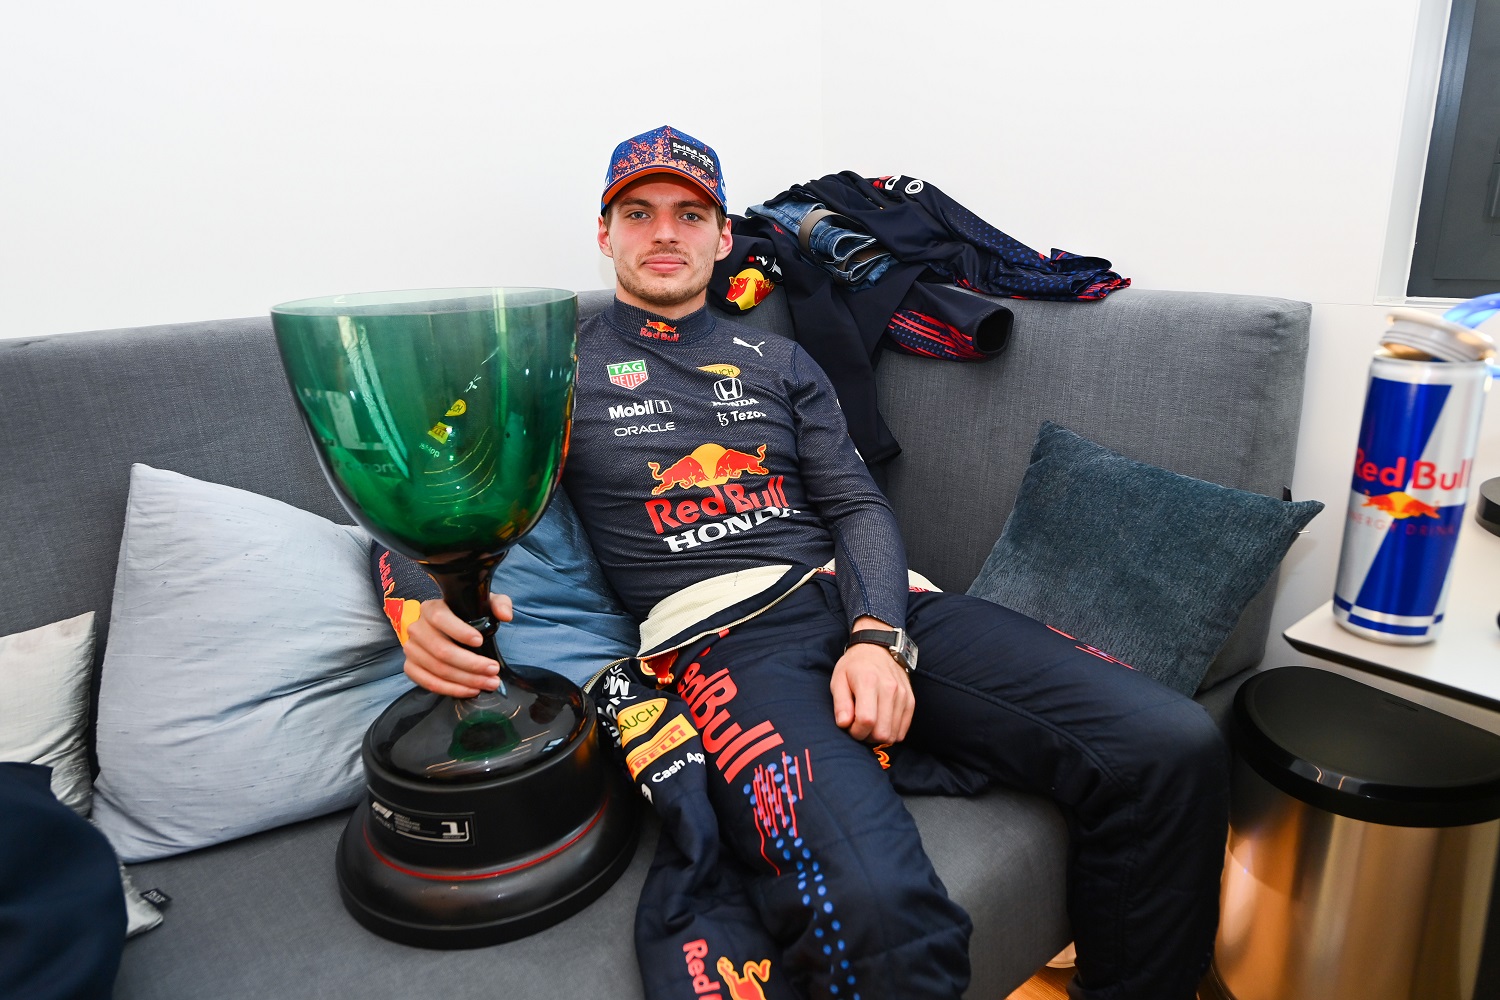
[870, 554]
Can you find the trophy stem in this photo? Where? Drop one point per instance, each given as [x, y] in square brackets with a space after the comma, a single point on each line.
[466, 591]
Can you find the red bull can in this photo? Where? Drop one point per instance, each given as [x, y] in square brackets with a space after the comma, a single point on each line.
[1413, 468]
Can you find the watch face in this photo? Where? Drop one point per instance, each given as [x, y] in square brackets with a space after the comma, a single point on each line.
[906, 652]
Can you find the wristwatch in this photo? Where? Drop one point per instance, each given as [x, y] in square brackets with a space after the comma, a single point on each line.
[902, 649]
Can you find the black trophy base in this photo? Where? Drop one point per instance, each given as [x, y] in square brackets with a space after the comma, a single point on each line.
[450, 910]
[481, 862]
[435, 908]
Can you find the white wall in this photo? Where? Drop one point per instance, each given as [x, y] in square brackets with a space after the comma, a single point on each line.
[1258, 148]
[174, 161]
[168, 161]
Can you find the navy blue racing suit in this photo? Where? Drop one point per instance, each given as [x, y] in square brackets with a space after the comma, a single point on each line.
[801, 853]
[788, 866]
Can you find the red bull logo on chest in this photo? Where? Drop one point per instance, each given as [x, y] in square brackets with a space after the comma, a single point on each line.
[655, 329]
[707, 465]
[729, 509]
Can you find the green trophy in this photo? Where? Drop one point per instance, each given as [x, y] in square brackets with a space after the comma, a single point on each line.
[441, 420]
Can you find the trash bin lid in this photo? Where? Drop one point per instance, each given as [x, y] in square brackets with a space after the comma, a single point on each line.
[1360, 752]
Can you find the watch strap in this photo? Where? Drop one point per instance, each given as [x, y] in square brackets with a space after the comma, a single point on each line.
[901, 648]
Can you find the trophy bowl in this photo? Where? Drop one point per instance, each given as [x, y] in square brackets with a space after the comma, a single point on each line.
[441, 419]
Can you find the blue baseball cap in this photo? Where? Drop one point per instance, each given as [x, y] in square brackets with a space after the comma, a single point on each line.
[664, 150]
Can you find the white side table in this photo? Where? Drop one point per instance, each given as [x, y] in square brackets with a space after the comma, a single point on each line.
[1462, 663]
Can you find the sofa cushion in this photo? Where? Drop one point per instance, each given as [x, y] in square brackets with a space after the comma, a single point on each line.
[1147, 565]
[247, 656]
[261, 918]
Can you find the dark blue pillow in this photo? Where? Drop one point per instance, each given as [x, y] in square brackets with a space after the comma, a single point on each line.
[1146, 565]
[568, 618]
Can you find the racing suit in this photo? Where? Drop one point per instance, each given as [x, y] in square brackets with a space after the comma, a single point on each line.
[710, 460]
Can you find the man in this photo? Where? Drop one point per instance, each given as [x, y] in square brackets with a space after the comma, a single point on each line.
[749, 538]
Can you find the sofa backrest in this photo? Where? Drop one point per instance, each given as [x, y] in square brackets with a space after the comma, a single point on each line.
[1207, 385]
[208, 400]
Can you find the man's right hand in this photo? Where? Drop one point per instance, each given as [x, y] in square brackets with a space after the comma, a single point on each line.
[440, 650]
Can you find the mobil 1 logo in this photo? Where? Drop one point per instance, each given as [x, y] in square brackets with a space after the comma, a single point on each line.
[639, 417]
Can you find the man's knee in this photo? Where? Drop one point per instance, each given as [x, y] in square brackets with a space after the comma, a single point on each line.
[1176, 750]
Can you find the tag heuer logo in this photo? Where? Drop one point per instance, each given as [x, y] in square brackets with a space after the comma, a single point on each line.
[628, 374]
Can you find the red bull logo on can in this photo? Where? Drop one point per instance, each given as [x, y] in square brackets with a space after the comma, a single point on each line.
[1400, 505]
[1413, 463]
[1422, 475]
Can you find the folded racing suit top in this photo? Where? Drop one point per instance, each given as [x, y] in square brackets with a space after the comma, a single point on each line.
[866, 261]
[917, 223]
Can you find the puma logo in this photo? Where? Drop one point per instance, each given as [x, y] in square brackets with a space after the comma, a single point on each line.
[754, 347]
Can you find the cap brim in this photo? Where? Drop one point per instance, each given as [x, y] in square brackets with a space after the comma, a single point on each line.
[624, 182]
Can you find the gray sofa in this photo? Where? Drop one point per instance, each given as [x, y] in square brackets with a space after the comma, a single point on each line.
[1208, 385]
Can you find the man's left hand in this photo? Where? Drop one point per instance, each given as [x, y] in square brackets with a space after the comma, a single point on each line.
[872, 696]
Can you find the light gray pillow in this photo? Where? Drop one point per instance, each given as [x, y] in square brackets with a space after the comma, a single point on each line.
[247, 655]
[44, 686]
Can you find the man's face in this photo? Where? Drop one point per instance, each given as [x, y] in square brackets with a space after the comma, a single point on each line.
[664, 237]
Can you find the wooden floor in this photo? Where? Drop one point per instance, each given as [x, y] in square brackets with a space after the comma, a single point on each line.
[1052, 984]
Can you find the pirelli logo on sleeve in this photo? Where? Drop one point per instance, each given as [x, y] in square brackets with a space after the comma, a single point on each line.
[672, 734]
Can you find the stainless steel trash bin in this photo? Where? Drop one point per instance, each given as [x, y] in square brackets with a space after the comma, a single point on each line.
[1363, 838]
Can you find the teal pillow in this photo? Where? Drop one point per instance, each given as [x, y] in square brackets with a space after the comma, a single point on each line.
[1146, 565]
